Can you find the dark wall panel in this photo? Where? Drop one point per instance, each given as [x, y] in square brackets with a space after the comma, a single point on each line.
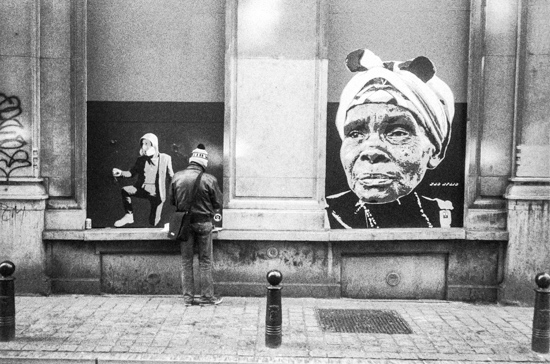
[446, 182]
[114, 131]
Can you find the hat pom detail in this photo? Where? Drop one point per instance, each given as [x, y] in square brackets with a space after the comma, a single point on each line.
[199, 155]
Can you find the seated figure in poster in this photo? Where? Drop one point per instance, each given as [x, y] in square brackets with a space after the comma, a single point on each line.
[394, 120]
[151, 169]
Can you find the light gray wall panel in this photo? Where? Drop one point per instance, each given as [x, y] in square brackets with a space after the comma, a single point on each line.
[400, 30]
[162, 50]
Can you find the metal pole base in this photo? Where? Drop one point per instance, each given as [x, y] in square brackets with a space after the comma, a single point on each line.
[7, 309]
[7, 328]
[274, 314]
[273, 336]
[540, 341]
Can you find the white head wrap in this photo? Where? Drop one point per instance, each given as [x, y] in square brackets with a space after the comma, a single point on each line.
[154, 142]
[425, 95]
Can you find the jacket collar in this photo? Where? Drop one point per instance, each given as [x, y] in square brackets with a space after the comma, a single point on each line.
[196, 166]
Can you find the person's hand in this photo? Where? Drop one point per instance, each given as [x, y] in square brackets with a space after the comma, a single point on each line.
[117, 172]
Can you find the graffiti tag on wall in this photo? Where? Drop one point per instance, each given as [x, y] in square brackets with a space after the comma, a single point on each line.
[8, 213]
[12, 156]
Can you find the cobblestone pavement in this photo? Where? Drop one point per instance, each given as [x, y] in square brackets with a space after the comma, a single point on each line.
[152, 329]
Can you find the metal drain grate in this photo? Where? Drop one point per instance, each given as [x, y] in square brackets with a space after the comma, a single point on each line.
[362, 321]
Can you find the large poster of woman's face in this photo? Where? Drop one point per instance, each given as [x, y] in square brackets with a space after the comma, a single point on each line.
[395, 153]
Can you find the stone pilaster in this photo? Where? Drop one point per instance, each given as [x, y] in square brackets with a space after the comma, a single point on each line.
[528, 193]
[22, 205]
[528, 250]
[22, 194]
[274, 141]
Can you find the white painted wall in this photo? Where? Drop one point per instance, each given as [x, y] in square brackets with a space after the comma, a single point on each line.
[400, 30]
[156, 50]
[173, 50]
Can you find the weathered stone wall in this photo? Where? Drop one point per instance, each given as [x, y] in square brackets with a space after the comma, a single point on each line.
[467, 270]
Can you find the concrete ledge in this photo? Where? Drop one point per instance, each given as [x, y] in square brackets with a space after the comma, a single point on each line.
[529, 192]
[275, 235]
[493, 235]
[110, 234]
[23, 189]
[397, 234]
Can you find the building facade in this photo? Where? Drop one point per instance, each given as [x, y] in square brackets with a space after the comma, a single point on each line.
[260, 84]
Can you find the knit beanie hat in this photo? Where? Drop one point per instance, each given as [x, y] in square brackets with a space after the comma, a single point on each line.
[199, 155]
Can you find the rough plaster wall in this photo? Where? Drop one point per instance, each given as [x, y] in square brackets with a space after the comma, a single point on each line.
[162, 50]
[400, 30]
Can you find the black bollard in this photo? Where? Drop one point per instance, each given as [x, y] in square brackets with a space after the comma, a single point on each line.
[541, 319]
[273, 312]
[7, 301]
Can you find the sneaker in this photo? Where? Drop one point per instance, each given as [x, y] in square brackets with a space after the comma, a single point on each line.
[126, 219]
[211, 301]
[189, 301]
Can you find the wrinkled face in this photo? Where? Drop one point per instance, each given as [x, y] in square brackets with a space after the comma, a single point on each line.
[385, 153]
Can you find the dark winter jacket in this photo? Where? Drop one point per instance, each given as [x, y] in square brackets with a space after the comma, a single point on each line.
[209, 196]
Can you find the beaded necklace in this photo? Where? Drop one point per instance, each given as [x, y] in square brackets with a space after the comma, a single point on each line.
[371, 221]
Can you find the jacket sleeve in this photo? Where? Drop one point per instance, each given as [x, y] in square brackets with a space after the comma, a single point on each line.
[216, 197]
[172, 194]
[134, 170]
[131, 172]
[126, 174]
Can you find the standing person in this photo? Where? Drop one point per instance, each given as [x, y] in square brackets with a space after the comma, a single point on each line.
[151, 168]
[207, 201]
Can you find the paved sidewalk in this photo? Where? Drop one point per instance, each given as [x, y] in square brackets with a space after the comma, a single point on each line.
[154, 329]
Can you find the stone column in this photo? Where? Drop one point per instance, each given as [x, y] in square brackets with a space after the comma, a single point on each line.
[275, 127]
[528, 193]
[22, 194]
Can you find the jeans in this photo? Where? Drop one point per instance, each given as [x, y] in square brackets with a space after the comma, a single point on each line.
[201, 237]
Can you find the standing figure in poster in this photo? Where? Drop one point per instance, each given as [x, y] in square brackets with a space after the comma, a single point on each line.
[394, 119]
[150, 168]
